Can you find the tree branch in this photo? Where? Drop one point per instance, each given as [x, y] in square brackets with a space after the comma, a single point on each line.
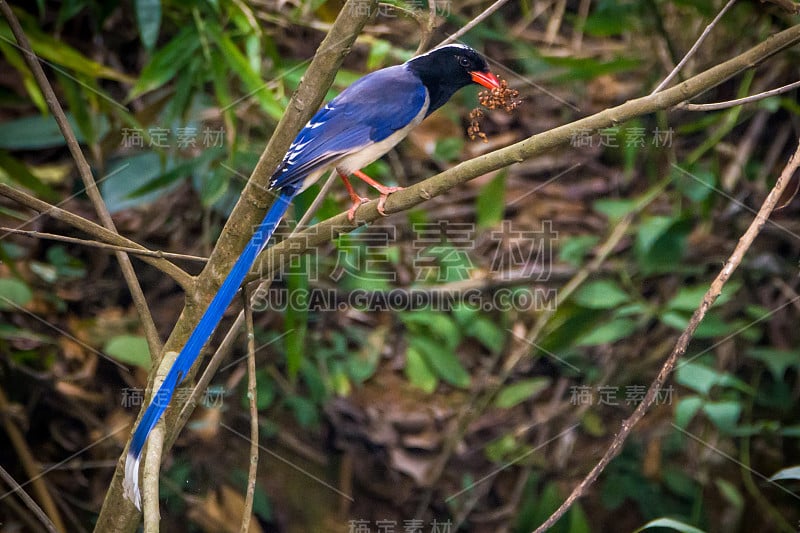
[33, 234]
[272, 258]
[117, 513]
[85, 172]
[99, 232]
[709, 298]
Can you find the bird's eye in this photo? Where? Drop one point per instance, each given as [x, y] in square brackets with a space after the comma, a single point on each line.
[464, 62]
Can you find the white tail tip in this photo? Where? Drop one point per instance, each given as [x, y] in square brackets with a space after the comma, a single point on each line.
[130, 484]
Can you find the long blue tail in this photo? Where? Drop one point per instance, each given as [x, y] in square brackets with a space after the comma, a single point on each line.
[198, 339]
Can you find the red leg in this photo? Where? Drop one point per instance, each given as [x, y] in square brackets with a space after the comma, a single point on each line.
[357, 200]
[382, 189]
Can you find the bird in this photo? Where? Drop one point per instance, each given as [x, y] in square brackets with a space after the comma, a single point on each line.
[355, 128]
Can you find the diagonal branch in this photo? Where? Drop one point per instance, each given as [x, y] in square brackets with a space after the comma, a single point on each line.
[101, 245]
[709, 298]
[273, 257]
[99, 232]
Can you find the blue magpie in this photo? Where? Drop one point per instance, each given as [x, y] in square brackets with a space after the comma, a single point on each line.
[354, 129]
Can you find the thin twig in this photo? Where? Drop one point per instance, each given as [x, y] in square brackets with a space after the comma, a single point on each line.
[739, 101]
[180, 276]
[427, 27]
[29, 465]
[474, 22]
[28, 501]
[251, 397]
[102, 245]
[709, 298]
[694, 47]
[85, 172]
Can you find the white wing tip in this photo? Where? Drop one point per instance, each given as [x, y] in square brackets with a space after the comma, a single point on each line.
[130, 484]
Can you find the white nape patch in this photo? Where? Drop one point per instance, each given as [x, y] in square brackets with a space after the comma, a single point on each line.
[130, 485]
[455, 47]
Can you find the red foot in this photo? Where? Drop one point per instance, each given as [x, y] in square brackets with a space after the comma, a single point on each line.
[385, 192]
[358, 200]
[351, 213]
[382, 189]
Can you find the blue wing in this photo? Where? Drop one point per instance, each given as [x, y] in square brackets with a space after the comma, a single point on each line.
[368, 111]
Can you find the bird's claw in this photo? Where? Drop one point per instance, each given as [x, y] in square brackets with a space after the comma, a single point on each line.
[383, 197]
[351, 213]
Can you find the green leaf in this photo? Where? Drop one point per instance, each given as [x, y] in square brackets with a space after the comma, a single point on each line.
[578, 521]
[148, 20]
[448, 149]
[304, 410]
[602, 294]
[214, 185]
[436, 325]
[37, 131]
[198, 165]
[615, 210]
[609, 332]
[129, 175]
[730, 492]
[714, 325]
[130, 349]
[724, 415]
[701, 378]
[14, 58]
[661, 242]
[238, 63]
[670, 523]
[490, 205]
[167, 62]
[777, 361]
[418, 372]
[689, 298]
[516, 393]
[501, 448]
[651, 230]
[575, 249]
[296, 320]
[696, 184]
[377, 54]
[488, 333]
[60, 53]
[443, 362]
[787, 473]
[18, 172]
[14, 293]
[265, 391]
[686, 409]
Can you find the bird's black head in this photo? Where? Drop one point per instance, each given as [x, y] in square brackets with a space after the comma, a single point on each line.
[447, 69]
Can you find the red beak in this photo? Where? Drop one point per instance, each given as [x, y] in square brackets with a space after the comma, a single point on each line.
[487, 79]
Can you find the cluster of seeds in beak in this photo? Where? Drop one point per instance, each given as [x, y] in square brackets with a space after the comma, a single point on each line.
[498, 98]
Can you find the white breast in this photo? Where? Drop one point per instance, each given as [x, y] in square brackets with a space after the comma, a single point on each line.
[348, 164]
[352, 162]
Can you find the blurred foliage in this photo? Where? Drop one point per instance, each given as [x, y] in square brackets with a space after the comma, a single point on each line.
[173, 103]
